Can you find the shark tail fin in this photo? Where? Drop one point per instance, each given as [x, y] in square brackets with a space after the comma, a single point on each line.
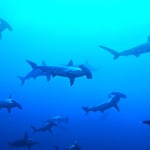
[32, 64]
[113, 52]
[22, 80]
[86, 109]
[87, 71]
[6, 24]
[17, 104]
[34, 129]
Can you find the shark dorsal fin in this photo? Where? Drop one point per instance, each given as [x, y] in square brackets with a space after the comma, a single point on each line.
[43, 63]
[148, 39]
[10, 96]
[70, 63]
[26, 136]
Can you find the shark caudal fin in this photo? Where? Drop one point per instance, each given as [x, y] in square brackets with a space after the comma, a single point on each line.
[87, 71]
[17, 104]
[86, 109]
[34, 129]
[113, 52]
[5, 24]
[22, 80]
[32, 64]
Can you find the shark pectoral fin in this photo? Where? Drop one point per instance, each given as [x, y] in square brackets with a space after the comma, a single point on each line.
[72, 79]
[117, 108]
[9, 110]
[137, 55]
[48, 77]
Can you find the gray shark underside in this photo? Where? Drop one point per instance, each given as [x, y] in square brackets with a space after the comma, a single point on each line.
[136, 51]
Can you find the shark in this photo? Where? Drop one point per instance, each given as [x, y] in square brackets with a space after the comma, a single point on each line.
[69, 71]
[58, 119]
[112, 103]
[9, 103]
[26, 141]
[46, 127]
[146, 122]
[3, 26]
[136, 51]
[74, 146]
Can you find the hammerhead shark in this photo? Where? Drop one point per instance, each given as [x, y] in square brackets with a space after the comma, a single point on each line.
[112, 103]
[25, 142]
[136, 51]
[46, 127]
[9, 103]
[70, 71]
[3, 26]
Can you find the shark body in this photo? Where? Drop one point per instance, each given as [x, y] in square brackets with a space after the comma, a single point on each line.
[136, 51]
[113, 103]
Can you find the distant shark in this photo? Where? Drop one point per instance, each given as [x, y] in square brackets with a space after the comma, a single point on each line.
[146, 122]
[46, 127]
[74, 146]
[3, 26]
[70, 71]
[136, 51]
[25, 142]
[115, 98]
[58, 119]
[9, 104]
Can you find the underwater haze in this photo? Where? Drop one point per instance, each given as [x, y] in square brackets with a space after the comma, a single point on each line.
[71, 33]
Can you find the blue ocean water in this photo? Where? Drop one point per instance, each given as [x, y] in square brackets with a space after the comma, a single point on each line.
[57, 32]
